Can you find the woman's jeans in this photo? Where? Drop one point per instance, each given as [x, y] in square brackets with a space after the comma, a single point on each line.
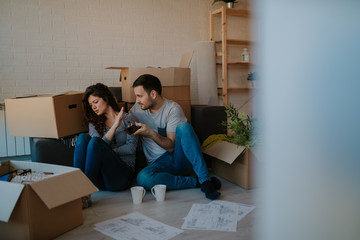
[171, 168]
[101, 164]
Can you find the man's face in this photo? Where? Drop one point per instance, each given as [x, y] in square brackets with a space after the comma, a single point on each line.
[144, 100]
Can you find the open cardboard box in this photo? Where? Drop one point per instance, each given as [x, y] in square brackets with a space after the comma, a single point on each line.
[169, 76]
[47, 115]
[234, 163]
[42, 209]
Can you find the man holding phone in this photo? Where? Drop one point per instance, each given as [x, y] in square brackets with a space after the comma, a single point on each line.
[170, 144]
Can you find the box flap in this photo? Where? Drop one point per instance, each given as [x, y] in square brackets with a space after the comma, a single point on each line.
[225, 151]
[116, 67]
[68, 93]
[186, 59]
[58, 190]
[10, 193]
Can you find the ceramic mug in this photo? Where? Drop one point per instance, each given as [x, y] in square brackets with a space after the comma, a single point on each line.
[159, 192]
[137, 194]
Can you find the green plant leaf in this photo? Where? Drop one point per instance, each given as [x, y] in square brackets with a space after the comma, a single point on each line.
[240, 125]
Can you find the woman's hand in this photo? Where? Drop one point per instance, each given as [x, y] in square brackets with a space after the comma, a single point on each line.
[117, 122]
[119, 117]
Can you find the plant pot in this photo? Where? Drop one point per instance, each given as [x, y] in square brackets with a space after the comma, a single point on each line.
[230, 4]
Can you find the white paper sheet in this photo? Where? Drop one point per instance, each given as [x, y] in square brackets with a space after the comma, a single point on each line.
[135, 226]
[215, 217]
[243, 208]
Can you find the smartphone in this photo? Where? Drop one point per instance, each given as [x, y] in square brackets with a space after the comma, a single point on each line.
[133, 128]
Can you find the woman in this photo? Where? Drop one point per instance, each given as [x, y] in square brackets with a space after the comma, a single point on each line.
[107, 153]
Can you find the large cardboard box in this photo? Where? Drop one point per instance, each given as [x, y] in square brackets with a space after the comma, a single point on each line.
[179, 94]
[49, 116]
[42, 209]
[234, 163]
[169, 76]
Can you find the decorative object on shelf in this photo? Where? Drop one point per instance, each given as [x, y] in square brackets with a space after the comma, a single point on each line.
[245, 56]
[252, 76]
[229, 3]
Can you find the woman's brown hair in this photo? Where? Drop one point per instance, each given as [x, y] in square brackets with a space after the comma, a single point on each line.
[102, 91]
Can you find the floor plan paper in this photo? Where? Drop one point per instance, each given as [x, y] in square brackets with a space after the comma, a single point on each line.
[135, 226]
[243, 208]
[215, 217]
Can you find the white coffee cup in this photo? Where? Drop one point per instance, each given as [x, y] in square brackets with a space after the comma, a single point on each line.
[137, 194]
[159, 192]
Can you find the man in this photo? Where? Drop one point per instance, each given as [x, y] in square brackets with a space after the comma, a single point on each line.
[170, 144]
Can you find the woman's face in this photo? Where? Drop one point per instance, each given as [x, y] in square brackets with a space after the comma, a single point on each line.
[97, 104]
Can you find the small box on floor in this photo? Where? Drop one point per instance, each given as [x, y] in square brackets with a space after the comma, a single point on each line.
[45, 208]
[234, 163]
[47, 115]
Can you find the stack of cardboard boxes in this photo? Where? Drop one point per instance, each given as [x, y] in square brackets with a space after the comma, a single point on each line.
[175, 82]
[43, 208]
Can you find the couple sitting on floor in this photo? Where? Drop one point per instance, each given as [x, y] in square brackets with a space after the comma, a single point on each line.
[107, 153]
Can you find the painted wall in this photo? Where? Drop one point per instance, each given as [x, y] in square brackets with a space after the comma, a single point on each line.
[52, 46]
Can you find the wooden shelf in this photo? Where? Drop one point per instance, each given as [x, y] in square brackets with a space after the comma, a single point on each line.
[236, 42]
[232, 12]
[224, 12]
[240, 88]
[220, 90]
[237, 63]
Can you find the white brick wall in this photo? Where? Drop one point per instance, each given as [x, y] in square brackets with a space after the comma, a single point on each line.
[51, 46]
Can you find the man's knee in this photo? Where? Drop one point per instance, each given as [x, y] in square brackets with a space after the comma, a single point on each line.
[185, 129]
[145, 179]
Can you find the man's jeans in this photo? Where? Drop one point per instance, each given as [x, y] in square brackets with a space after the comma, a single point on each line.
[101, 164]
[171, 168]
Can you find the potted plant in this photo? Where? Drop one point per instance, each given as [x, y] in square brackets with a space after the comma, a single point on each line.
[232, 155]
[230, 3]
[240, 126]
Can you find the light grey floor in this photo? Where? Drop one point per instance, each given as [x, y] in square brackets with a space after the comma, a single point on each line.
[108, 205]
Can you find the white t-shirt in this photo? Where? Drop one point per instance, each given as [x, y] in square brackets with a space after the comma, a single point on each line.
[164, 120]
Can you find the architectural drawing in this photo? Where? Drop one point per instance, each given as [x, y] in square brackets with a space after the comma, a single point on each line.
[135, 226]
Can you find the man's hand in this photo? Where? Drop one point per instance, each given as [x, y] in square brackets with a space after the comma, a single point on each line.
[144, 130]
[166, 143]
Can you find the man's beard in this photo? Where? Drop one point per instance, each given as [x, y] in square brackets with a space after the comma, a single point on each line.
[148, 107]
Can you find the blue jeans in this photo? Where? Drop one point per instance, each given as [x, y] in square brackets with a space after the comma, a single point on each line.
[172, 168]
[101, 164]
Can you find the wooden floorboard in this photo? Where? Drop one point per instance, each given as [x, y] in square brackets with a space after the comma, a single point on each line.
[108, 205]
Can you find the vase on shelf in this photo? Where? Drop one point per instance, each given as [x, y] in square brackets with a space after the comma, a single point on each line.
[230, 4]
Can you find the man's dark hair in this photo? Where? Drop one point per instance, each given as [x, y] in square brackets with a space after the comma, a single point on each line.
[149, 83]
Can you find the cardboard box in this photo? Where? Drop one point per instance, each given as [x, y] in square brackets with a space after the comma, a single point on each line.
[186, 107]
[234, 163]
[170, 76]
[49, 116]
[42, 209]
[181, 95]
[177, 93]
